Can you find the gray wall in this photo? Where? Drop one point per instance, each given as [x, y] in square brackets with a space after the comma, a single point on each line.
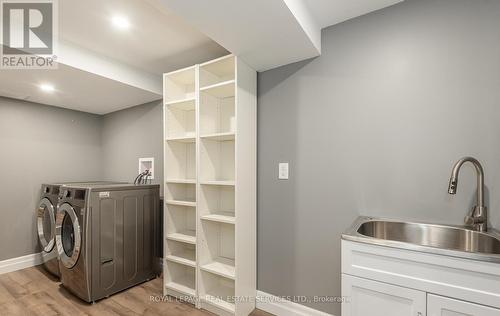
[131, 134]
[373, 126]
[39, 144]
[44, 144]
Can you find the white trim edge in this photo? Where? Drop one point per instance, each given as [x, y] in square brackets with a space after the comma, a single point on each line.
[20, 263]
[281, 307]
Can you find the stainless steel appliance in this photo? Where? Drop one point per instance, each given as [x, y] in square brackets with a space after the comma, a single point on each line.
[46, 226]
[105, 237]
[46, 221]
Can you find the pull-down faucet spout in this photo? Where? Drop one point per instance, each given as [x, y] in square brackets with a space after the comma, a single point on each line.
[477, 218]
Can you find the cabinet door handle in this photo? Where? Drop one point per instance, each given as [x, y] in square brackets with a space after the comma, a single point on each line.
[108, 260]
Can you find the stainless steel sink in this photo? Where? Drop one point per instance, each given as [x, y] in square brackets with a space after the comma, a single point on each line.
[449, 240]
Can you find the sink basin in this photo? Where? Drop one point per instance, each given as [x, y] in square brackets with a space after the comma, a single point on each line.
[441, 239]
[447, 237]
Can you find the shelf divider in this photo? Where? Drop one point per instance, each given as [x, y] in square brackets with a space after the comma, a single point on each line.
[221, 90]
[187, 290]
[222, 268]
[218, 182]
[219, 303]
[181, 203]
[226, 136]
[182, 181]
[191, 262]
[220, 217]
[186, 236]
[182, 139]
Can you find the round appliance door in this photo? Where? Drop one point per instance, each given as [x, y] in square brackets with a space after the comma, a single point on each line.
[68, 238]
[46, 224]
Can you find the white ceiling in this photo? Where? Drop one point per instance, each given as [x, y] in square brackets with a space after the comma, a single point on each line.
[103, 69]
[268, 34]
[331, 12]
[75, 89]
[157, 41]
[264, 33]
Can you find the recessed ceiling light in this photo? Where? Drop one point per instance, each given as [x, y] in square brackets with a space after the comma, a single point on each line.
[121, 22]
[46, 87]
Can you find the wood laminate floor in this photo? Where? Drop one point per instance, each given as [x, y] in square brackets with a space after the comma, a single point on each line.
[33, 291]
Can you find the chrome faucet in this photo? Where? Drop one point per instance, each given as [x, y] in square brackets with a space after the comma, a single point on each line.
[478, 217]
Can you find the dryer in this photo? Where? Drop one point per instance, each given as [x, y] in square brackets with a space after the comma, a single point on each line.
[46, 226]
[105, 237]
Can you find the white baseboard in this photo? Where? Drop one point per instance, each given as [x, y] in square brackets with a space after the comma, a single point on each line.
[20, 263]
[281, 307]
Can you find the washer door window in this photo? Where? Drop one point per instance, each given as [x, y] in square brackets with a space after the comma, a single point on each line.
[68, 238]
[46, 224]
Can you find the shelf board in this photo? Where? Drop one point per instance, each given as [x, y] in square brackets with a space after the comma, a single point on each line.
[181, 203]
[182, 139]
[219, 303]
[221, 137]
[182, 181]
[221, 267]
[185, 236]
[227, 62]
[186, 104]
[184, 76]
[187, 258]
[220, 217]
[183, 285]
[219, 182]
[221, 90]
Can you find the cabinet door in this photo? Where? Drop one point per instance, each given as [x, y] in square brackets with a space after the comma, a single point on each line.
[365, 297]
[443, 306]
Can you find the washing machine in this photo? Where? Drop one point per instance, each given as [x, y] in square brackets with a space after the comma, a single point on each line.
[105, 237]
[46, 226]
[46, 221]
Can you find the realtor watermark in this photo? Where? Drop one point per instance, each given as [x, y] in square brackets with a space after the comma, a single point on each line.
[29, 34]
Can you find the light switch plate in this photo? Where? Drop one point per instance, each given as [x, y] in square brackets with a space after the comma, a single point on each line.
[283, 171]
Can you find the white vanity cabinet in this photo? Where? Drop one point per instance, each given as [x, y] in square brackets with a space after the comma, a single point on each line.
[380, 299]
[443, 306]
[387, 281]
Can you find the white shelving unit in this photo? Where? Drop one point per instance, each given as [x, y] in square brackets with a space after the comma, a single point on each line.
[210, 190]
[180, 103]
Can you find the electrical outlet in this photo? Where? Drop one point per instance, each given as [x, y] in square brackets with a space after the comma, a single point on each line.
[149, 164]
[283, 171]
